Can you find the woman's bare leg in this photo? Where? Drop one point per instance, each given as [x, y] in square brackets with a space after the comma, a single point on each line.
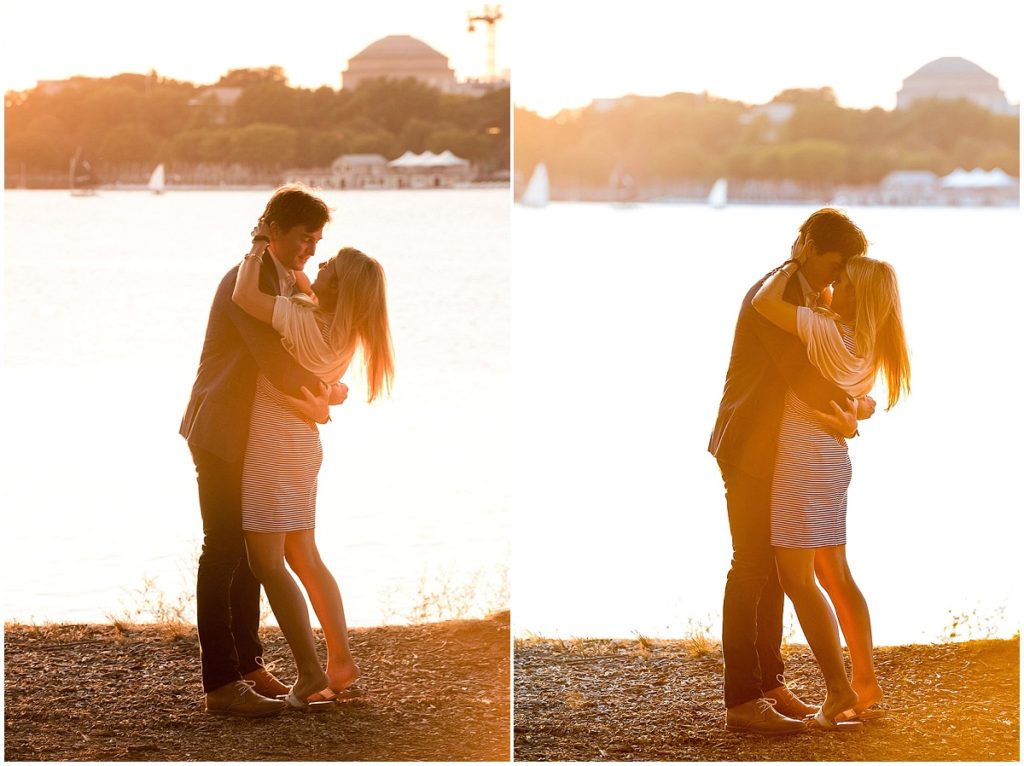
[852, 610]
[304, 559]
[796, 572]
[266, 559]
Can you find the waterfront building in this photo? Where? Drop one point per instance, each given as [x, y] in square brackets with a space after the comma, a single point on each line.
[951, 78]
[373, 171]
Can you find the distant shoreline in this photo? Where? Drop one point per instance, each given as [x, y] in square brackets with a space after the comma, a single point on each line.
[700, 202]
[253, 187]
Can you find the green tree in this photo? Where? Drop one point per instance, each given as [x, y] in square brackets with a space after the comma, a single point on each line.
[378, 142]
[815, 162]
[268, 103]
[44, 144]
[129, 142]
[243, 78]
[317, 148]
[390, 103]
[817, 120]
[469, 146]
[263, 146]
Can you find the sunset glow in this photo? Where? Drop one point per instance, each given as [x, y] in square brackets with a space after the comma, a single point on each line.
[576, 54]
[198, 42]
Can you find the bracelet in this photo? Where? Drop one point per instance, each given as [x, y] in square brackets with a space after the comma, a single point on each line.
[252, 257]
[262, 237]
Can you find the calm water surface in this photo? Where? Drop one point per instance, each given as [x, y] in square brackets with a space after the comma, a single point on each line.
[622, 328]
[106, 301]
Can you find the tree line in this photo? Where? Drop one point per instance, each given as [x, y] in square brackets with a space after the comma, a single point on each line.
[133, 121]
[697, 138]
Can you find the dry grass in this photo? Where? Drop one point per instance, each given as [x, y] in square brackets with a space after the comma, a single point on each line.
[662, 701]
[434, 692]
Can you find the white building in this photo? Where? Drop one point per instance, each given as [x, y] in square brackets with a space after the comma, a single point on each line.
[373, 171]
[952, 78]
[398, 57]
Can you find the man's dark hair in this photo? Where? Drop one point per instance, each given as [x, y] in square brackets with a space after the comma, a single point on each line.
[832, 231]
[292, 205]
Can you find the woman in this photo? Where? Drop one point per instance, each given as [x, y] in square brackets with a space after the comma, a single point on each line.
[858, 336]
[283, 455]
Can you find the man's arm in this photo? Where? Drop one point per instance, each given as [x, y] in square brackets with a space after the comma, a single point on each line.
[264, 344]
[789, 357]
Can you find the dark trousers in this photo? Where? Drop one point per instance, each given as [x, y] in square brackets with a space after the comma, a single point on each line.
[752, 611]
[227, 593]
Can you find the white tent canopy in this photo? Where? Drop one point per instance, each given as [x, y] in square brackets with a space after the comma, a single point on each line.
[428, 160]
[978, 179]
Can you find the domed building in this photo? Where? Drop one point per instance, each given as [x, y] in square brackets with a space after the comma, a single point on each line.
[400, 56]
[953, 77]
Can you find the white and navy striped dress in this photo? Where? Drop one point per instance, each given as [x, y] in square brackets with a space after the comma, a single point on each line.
[282, 460]
[812, 474]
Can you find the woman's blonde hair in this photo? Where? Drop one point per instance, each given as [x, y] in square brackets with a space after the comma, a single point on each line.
[879, 322]
[361, 317]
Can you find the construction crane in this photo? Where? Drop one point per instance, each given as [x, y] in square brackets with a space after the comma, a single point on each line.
[489, 16]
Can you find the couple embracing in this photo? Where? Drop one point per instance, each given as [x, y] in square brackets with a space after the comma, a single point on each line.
[810, 340]
[275, 351]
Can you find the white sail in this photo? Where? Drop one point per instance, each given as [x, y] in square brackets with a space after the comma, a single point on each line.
[157, 181]
[536, 194]
[719, 193]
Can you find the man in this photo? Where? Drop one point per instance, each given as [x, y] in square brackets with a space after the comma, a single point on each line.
[765, 362]
[216, 425]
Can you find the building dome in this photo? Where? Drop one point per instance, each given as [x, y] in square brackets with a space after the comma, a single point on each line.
[399, 56]
[954, 67]
[953, 78]
[398, 46]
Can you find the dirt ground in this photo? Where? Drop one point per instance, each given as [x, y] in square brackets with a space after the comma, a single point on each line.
[592, 700]
[435, 692]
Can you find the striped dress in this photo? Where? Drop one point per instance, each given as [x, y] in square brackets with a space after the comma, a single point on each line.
[812, 474]
[282, 460]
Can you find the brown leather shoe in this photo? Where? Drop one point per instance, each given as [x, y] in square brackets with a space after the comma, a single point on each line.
[264, 682]
[789, 704]
[758, 716]
[238, 698]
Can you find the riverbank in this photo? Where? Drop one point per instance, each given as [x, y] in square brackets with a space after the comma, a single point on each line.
[644, 700]
[434, 692]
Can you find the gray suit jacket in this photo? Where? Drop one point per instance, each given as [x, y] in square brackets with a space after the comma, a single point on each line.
[236, 349]
[766, 360]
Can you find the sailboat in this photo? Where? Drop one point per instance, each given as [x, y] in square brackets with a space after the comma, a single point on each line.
[81, 179]
[719, 193]
[157, 180]
[623, 189]
[536, 194]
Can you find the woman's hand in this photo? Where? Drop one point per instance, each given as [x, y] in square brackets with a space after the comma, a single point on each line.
[339, 393]
[800, 250]
[842, 421]
[247, 294]
[261, 230]
[312, 407]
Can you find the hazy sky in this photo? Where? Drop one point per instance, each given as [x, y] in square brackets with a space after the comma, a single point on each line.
[749, 51]
[199, 41]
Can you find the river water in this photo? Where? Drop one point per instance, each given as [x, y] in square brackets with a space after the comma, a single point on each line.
[622, 327]
[106, 300]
